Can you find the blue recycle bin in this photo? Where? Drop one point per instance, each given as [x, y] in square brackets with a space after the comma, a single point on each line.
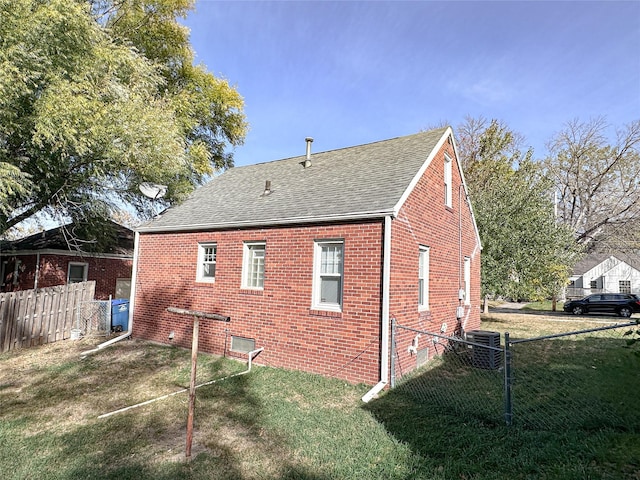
[119, 315]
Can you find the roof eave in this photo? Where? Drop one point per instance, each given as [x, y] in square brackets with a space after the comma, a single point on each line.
[67, 253]
[269, 222]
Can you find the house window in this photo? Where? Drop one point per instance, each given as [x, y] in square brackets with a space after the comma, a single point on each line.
[467, 280]
[253, 265]
[624, 286]
[447, 181]
[242, 345]
[327, 277]
[423, 278]
[593, 284]
[77, 272]
[206, 262]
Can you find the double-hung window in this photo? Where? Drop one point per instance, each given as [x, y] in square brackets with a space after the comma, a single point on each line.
[447, 181]
[206, 262]
[423, 278]
[253, 265]
[328, 274]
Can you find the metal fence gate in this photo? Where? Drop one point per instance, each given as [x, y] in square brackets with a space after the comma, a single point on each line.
[568, 380]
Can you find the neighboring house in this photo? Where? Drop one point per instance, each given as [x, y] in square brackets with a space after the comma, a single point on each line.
[312, 257]
[53, 257]
[603, 272]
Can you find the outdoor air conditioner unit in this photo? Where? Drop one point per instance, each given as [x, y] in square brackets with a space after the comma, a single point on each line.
[485, 349]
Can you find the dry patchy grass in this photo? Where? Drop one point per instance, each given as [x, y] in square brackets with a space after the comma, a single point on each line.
[526, 324]
[57, 390]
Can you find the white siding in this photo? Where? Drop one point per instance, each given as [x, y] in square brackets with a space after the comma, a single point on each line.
[609, 273]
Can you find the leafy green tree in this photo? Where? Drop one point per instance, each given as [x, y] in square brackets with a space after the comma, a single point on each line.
[526, 254]
[13, 183]
[98, 97]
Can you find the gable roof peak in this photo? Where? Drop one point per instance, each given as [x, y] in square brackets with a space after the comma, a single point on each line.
[362, 181]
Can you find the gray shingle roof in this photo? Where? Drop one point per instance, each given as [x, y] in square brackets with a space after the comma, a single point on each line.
[593, 259]
[364, 181]
[59, 239]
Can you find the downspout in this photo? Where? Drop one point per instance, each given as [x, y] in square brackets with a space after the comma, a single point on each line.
[460, 313]
[384, 328]
[35, 280]
[127, 334]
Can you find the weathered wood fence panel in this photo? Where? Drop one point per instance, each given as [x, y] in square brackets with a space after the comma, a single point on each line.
[45, 315]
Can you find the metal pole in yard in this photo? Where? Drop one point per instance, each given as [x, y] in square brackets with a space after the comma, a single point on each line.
[508, 405]
[192, 385]
[194, 363]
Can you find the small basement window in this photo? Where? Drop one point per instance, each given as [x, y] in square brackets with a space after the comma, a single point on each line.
[242, 345]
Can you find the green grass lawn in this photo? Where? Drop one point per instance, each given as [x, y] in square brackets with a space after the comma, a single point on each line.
[545, 306]
[268, 424]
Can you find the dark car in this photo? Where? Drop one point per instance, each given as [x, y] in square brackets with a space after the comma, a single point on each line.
[623, 304]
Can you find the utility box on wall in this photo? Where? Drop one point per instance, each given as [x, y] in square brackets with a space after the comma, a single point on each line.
[486, 352]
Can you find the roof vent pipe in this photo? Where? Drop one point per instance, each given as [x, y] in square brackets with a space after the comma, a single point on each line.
[307, 162]
[267, 187]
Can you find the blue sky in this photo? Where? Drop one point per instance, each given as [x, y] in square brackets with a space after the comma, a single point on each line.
[348, 73]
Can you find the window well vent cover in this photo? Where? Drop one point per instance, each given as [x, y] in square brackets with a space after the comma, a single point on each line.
[242, 344]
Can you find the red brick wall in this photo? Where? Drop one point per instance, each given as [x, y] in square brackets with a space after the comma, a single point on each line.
[54, 270]
[280, 317]
[425, 220]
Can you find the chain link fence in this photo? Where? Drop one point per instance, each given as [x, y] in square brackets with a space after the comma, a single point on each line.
[93, 318]
[453, 375]
[571, 380]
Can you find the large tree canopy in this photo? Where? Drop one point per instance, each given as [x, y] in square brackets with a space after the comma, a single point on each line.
[96, 98]
[598, 183]
[526, 254]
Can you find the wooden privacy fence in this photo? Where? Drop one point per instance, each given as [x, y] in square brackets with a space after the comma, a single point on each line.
[45, 315]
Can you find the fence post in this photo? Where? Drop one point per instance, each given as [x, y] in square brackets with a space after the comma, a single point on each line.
[393, 352]
[508, 406]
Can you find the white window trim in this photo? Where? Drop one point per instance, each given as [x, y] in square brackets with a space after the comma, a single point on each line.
[424, 253]
[467, 281]
[199, 270]
[85, 270]
[448, 179]
[246, 257]
[626, 288]
[316, 297]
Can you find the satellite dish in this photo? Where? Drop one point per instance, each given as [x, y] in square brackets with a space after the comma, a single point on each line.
[153, 190]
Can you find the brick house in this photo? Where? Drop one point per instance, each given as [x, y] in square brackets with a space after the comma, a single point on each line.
[56, 257]
[311, 256]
